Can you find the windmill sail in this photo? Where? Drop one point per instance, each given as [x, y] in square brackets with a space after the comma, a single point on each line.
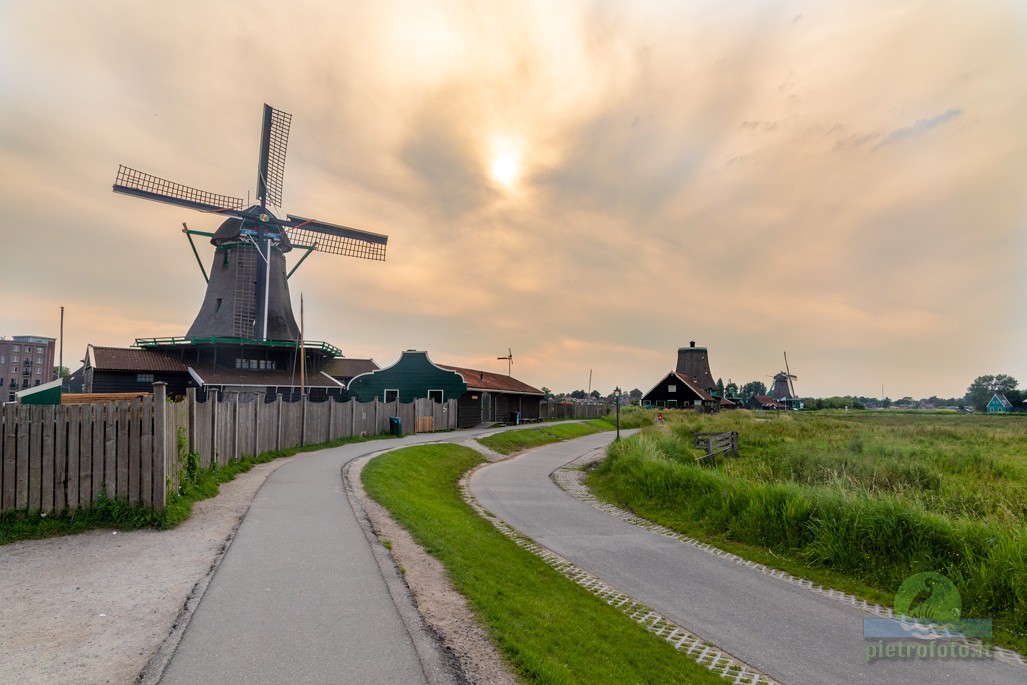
[247, 291]
[274, 139]
[140, 184]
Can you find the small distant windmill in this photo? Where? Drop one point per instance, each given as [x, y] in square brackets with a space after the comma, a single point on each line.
[247, 290]
[509, 361]
[783, 386]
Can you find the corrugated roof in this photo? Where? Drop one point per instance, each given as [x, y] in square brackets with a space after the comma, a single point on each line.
[477, 379]
[212, 375]
[343, 367]
[131, 359]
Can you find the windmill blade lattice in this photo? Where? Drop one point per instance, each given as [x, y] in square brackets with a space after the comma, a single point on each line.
[340, 240]
[132, 182]
[274, 139]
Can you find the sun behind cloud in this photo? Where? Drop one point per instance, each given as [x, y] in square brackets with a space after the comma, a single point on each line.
[505, 162]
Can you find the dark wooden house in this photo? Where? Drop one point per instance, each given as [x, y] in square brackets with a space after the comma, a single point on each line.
[412, 377]
[689, 386]
[269, 367]
[677, 391]
[496, 398]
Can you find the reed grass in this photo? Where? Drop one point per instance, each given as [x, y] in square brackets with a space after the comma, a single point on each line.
[876, 497]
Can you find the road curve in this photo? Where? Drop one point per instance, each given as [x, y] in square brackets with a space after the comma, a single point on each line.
[789, 633]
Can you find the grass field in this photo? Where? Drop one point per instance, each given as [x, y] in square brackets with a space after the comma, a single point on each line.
[862, 498]
[549, 629]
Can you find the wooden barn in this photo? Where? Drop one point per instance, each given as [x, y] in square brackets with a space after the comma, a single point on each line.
[412, 377]
[496, 398]
[268, 367]
[690, 385]
[681, 392]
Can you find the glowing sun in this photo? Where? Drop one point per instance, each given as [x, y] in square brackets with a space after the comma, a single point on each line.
[505, 165]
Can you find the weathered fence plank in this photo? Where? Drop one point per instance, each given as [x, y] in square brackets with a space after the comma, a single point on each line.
[60, 447]
[73, 413]
[21, 498]
[35, 459]
[146, 452]
[121, 461]
[10, 452]
[133, 451]
[46, 459]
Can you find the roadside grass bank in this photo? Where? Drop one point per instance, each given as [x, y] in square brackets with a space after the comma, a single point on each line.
[855, 502]
[197, 484]
[548, 629]
[509, 442]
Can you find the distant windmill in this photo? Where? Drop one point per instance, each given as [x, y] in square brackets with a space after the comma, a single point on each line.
[783, 386]
[509, 361]
[247, 291]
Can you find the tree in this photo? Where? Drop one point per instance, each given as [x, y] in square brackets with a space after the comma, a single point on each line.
[981, 390]
[720, 387]
[635, 396]
[578, 394]
[596, 395]
[731, 389]
[60, 372]
[753, 388]
[547, 393]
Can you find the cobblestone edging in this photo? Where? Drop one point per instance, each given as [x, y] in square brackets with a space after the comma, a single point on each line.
[722, 664]
[570, 476]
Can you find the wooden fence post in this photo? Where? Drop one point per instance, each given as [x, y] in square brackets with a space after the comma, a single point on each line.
[160, 442]
[278, 439]
[212, 400]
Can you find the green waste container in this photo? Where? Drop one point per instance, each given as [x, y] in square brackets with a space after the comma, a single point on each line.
[396, 426]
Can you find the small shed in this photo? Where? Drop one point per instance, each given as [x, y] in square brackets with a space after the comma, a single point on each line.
[412, 377]
[677, 390]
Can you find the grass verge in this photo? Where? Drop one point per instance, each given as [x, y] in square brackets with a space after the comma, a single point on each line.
[855, 540]
[512, 441]
[548, 629]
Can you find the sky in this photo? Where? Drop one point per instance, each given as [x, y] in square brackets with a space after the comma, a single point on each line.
[591, 185]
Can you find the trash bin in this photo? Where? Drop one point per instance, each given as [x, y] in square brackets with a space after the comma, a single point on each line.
[396, 426]
[515, 418]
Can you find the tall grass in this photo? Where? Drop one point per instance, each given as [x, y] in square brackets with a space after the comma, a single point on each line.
[876, 501]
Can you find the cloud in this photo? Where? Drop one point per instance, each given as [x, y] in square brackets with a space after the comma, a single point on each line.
[921, 127]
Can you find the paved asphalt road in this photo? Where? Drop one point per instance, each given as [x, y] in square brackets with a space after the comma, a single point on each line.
[299, 596]
[789, 633]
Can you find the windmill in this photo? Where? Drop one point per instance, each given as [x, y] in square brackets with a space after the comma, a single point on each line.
[509, 361]
[783, 387]
[247, 294]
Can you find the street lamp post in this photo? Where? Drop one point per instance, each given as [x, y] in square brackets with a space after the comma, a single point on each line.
[616, 395]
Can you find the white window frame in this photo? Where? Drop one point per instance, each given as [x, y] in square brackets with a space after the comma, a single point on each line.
[385, 395]
[440, 393]
[672, 388]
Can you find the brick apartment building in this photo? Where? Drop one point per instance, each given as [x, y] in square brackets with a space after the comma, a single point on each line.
[25, 362]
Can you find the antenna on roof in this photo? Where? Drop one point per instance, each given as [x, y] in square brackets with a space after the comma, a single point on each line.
[509, 361]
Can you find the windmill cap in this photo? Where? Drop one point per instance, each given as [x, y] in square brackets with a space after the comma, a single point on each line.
[691, 348]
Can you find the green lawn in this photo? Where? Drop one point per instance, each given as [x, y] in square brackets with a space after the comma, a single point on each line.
[512, 441]
[548, 629]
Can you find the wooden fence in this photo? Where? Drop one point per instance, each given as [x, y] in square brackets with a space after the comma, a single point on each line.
[550, 411]
[57, 458]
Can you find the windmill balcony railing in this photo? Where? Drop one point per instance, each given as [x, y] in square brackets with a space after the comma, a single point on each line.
[327, 348]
